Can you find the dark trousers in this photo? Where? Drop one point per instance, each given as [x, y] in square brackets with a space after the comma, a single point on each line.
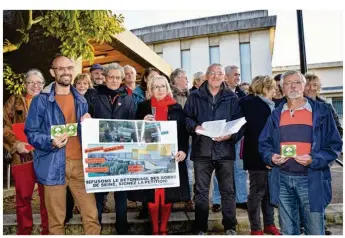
[203, 169]
[121, 224]
[259, 197]
[69, 204]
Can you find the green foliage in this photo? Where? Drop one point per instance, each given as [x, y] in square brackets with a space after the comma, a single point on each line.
[14, 82]
[76, 29]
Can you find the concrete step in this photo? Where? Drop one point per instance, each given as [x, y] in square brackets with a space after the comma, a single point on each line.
[180, 222]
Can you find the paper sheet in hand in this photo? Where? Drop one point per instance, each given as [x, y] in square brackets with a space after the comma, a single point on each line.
[221, 127]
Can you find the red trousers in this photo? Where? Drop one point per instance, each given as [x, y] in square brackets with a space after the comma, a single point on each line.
[24, 180]
[165, 210]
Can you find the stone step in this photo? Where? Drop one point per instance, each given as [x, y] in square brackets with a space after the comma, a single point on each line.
[180, 222]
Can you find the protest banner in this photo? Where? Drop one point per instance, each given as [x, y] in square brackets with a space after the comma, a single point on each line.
[122, 155]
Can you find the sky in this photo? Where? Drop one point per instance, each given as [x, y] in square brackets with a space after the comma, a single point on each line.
[323, 31]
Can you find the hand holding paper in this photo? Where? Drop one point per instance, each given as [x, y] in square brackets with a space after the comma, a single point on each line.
[220, 128]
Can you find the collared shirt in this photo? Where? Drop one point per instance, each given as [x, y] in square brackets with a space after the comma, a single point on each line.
[306, 106]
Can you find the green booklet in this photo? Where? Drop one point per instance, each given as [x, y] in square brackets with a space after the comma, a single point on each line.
[289, 150]
[57, 130]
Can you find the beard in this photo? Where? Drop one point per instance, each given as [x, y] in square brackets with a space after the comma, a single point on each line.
[294, 95]
[64, 80]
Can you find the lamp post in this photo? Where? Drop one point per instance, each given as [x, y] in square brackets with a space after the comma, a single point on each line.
[301, 42]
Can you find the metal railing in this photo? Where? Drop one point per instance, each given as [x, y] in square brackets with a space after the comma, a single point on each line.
[339, 162]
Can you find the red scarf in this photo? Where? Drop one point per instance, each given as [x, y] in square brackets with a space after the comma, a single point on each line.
[161, 107]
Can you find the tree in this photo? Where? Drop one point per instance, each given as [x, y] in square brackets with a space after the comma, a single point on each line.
[75, 29]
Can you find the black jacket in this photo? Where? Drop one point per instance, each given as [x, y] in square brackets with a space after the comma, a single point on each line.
[200, 107]
[239, 92]
[256, 113]
[124, 108]
[176, 194]
[90, 97]
[193, 89]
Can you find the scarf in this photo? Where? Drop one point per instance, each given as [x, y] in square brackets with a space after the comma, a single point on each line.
[270, 103]
[28, 99]
[161, 107]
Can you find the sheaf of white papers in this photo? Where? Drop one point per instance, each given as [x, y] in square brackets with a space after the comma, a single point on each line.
[221, 127]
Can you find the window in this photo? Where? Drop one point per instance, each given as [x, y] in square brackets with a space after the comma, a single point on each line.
[185, 61]
[214, 55]
[246, 71]
[337, 103]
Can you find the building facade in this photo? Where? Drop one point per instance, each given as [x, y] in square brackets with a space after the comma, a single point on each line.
[243, 39]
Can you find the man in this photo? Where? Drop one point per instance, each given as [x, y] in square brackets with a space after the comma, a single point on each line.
[58, 162]
[312, 90]
[232, 78]
[179, 88]
[129, 80]
[305, 131]
[97, 76]
[278, 97]
[213, 101]
[113, 102]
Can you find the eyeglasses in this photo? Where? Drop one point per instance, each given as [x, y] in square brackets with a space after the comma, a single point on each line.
[212, 73]
[62, 69]
[40, 84]
[113, 77]
[297, 83]
[156, 87]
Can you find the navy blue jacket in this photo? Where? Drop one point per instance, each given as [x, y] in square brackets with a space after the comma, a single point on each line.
[124, 109]
[201, 107]
[44, 112]
[326, 147]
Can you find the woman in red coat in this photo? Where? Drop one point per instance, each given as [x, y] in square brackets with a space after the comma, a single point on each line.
[162, 107]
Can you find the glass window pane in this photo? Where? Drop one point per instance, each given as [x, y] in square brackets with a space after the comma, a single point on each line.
[246, 71]
[338, 105]
[214, 55]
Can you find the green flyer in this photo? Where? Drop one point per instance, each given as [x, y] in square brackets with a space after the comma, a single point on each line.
[71, 129]
[289, 150]
[57, 130]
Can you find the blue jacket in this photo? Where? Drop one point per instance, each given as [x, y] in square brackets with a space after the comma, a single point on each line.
[326, 147]
[201, 106]
[44, 112]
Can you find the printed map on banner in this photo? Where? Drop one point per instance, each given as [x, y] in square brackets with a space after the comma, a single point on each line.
[121, 155]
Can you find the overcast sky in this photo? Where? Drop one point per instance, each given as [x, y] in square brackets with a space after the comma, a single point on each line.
[323, 31]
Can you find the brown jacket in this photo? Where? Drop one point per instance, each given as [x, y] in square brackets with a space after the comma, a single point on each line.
[15, 111]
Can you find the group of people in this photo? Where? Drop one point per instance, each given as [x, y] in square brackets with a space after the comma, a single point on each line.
[280, 112]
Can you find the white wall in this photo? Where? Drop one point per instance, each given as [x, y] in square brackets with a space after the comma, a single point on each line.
[260, 53]
[199, 51]
[172, 53]
[229, 50]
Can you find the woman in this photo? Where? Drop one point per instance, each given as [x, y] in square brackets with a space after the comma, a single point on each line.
[15, 111]
[256, 108]
[198, 79]
[165, 108]
[142, 88]
[82, 83]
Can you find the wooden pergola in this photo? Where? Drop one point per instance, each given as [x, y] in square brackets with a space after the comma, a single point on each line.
[125, 49]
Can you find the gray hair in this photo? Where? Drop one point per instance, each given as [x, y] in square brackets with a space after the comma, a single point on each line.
[129, 67]
[217, 65]
[114, 66]
[230, 68]
[196, 77]
[290, 73]
[174, 75]
[34, 72]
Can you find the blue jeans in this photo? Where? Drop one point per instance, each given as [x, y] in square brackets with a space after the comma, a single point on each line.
[190, 170]
[240, 180]
[293, 197]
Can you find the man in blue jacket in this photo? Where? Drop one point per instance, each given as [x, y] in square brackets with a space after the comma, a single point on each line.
[58, 162]
[213, 101]
[299, 141]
